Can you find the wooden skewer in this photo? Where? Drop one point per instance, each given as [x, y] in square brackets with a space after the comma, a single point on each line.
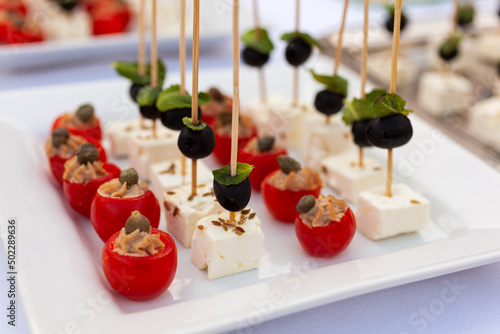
[295, 100]
[455, 17]
[154, 57]
[364, 60]
[338, 50]
[182, 57]
[258, 34]
[394, 79]
[141, 57]
[360, 151]
[196, 64]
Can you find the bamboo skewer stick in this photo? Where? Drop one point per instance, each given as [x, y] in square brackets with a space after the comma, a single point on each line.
[141, 57]
[295, 102]
[194, 103]
[258, 34]
[455, 17]
[182, 57]
[364, 59]
[154, 56]
[338, 50]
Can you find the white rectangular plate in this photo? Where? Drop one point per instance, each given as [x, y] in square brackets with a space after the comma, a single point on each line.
[60, 276]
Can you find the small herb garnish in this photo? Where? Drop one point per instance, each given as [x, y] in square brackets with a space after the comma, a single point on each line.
[262, 44]
[334, 83]
[147, 96]
[223, 175]
[450, 45]
[171, 98]
[188, 121]
[130, 70]
[390, 104]
[360, 109]
[306, 37]
[466, 14]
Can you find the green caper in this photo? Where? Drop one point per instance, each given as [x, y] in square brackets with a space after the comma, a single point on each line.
[136, 221]
[265, 144]
[87, 153]
[288, 164]
[60, 136]
[216, 94]
[130, 176]
[85, 112]
[306, 203]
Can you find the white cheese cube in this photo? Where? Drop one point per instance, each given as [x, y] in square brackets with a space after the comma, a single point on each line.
[261, 111]
[287, 122]
[443, 94]
[183, 211]
[321, 139]
[465, 62]
[485, 122]
[487, 47]
[167, 175]
[64, 25]
[379, 67]
[144, 149]
[380, 217]
[223, 251]
[120, 132]
[343, 173]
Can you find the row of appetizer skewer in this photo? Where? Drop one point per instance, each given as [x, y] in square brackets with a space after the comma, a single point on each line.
[209, 211]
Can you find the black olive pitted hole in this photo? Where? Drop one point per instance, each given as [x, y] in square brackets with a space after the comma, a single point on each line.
[305, 204]
[130, 176]
[297, 52]
[389, 131]
[233, 198]
[150, 112]
[196, 144]
[253, 57]
[85, 112]
[86, 153]
[137, 221]
[328, 102]
[172, 119]
[134, 91]
[389, 23]
[358, 131]
[265, 143]
[59, 136]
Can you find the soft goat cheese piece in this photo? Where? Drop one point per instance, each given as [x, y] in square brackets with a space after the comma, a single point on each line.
[379, 66]
[167, 175]
[226, 252]
[144, 150]
[464, 62]
[343, 173]
[182, 211]
[119, 132]
[380, 217]
[443, 94]
[261, 111]
[287, 122]
[321, 139]
[485, 122]
[488, 47]
[62, 25]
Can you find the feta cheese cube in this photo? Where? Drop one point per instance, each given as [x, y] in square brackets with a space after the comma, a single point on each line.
[485, 122]
[167, 175]
[223, 250]
[183, 211]
[343, 173]
[120, 132]
[443, 94]
[64, 25]
[487, 47]
[379, 216]
[321, 139]
[286, 123]
[465, 62]
[261, 111]
[379, 67]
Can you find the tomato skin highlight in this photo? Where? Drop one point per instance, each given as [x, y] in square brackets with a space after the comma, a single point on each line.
[222, 150]
[80, 196]
[108, 214]
[326, 241]
[282, 203]
[264, 163]
[93, 132]
[140, 278]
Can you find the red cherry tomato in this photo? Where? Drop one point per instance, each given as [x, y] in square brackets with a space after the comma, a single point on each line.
[264, 163]
[140, 277]
[110, 17]
[108, 214]
[282, 203]
[222, 150]
[326, 241]
[93, 132]
[80, 195]
[14, 6]
[57, 162]
[15, 29]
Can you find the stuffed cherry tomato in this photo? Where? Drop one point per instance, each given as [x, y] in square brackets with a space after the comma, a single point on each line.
[139, 262]
[324, 226]
[62, 146]
[82, 123]
[219, 103]
[13, 6]
[16, 29]
[83, 175]
[262, 154]
[222, 128]
[110, 17]
[115, 200]
[282, 189]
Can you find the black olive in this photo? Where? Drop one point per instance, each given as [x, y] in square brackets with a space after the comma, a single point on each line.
[86, 153]
[196, 144]
[172, 119]
[465, 16]
[137, 221]
[328, 102]
[389, 131]
[67, 5]
[389, 23]
[59, 136]
[253, 57]
[234, 197]
[130, 176]
[134, 91]
[358, 130]
[150, 112]
[447, 53]
[297, 52]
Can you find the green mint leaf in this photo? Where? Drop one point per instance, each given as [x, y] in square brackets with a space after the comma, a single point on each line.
[223, 175]
[306, 37]
[390, 104]
[262, 44]
[147, 96]
[171, 98]
[130, 70]
[188, 121]
[358, 109]
[334, 83]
